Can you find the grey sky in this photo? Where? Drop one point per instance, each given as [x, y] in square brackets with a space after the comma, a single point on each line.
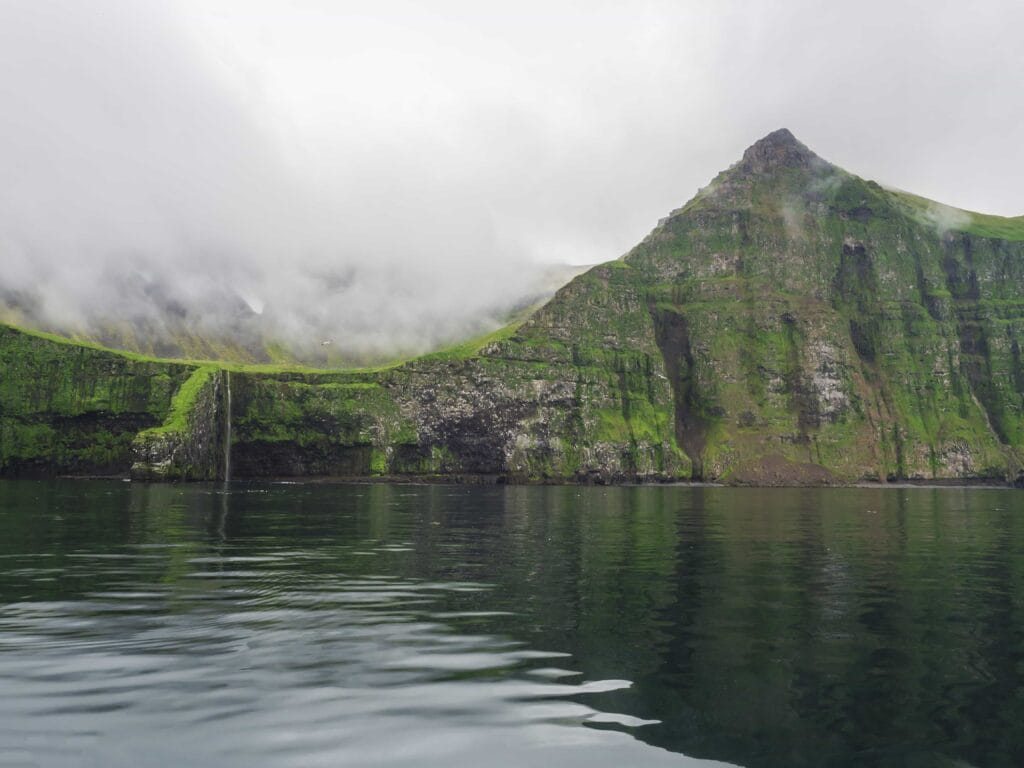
[433, 147]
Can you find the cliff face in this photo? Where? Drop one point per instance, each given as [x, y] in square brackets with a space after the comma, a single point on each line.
[192, 441]
[826, 328]
[791, 324]
[71, 409]
[514, 410]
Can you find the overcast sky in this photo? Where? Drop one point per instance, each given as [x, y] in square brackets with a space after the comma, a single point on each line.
[575, 125]
[250, 141]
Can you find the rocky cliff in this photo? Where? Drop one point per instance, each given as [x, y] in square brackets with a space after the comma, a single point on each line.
[792, 323]
[68, 408]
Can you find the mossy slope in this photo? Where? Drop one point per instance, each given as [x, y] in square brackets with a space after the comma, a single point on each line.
[821, 328]
[189, 444]
[70, 408]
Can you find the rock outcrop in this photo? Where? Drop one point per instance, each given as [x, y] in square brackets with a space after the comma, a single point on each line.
[192, 442]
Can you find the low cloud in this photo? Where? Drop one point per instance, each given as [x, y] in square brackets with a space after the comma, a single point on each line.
[946, 219]
[388, 176]
[139, 190]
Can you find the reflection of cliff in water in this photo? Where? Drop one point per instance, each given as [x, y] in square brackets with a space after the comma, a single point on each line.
[763, 628]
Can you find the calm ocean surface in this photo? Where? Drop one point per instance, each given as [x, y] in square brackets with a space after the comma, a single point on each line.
[333, 625]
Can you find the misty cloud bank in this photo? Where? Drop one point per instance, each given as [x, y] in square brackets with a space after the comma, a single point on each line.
[388, 176]
[137, 188]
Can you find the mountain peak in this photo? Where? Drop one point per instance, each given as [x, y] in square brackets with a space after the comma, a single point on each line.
[779, 149]
[780, 136]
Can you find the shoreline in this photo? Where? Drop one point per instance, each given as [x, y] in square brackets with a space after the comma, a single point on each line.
[500, 480]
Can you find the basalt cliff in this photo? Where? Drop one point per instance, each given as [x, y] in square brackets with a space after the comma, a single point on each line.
[791, 324]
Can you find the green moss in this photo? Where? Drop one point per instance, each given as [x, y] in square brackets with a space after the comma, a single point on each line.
[68, 407]
[378, 462]
[184, 401]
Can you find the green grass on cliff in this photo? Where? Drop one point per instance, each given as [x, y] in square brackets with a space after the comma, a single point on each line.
[473, 346]
[184, 401]
[257, 368]
[997, 227]
[460, 351]
[958, 220]
[91, 345]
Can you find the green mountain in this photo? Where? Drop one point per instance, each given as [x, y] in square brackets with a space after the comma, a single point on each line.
[791, 324]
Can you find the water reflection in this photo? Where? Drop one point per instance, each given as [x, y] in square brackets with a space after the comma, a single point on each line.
[297, 627]
[401, 625]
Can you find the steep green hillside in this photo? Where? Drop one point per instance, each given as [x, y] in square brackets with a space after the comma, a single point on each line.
[792, 323]
[810, 319]
[75, 409]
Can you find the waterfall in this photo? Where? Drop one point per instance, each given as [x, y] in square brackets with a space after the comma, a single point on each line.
[227, 428]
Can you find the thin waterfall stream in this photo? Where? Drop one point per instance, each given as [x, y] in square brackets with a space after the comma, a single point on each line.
[227, 428]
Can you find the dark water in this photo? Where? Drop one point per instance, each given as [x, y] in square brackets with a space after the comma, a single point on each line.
[447, 626]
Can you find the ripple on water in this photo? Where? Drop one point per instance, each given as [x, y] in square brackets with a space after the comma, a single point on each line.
[298, 625]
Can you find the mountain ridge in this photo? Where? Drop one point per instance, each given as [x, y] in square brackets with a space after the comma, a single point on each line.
[791, 324]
